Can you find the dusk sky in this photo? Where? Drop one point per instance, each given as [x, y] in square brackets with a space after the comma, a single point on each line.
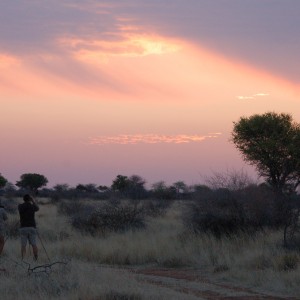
[93, 89]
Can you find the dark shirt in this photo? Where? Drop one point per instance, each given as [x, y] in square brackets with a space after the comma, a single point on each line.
[26, 212]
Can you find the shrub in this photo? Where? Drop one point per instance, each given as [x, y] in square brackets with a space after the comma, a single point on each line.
[110, 216]
[12, 228]
[219, 213]
[226, 212]
[10, 205]
[156, 208]
[72, 207]
[287, 262]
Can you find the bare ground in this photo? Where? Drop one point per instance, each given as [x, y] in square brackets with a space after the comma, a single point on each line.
[197, 284]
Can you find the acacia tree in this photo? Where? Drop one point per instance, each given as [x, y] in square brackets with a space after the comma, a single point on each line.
[120, 183]
[271, 143]
[32, 182]
[136, 188]
[132, 187]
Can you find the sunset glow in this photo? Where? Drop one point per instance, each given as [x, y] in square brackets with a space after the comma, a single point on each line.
[102, 90]
[99, 51]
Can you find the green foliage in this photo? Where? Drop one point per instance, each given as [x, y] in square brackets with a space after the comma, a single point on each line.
[3, 181]
[271, 143]
[32, 181]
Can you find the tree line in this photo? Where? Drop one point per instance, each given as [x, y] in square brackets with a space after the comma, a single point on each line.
[270, 142]
[132, 187]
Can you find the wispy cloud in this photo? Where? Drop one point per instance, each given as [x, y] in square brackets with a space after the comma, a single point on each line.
[261, 95]
[7, 60]
[132, 139]
[127, 45]
[253, 96]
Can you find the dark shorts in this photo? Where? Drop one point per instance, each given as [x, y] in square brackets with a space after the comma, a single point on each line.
[2, 231]
[28, 234]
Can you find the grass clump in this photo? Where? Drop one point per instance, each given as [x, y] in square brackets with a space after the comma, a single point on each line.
[287, 262]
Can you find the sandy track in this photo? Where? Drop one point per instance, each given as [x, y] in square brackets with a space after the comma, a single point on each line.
[192, 282]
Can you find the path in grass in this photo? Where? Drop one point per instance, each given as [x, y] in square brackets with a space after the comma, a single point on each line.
[192, 282]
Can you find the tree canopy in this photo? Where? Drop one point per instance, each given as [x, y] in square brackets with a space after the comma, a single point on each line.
[271, 143]
[32, 181]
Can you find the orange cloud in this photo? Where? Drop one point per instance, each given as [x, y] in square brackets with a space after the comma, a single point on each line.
[253, 96]
[132, 65]
[128, 45]
[129, 139]
[7, 60]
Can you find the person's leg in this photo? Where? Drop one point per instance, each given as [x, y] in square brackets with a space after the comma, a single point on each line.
[24, 238]
[2, 241]
[32, 241]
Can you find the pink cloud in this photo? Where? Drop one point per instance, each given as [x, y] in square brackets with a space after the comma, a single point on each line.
[131, 139]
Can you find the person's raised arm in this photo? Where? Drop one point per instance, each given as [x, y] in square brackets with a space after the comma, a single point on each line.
[34, 204]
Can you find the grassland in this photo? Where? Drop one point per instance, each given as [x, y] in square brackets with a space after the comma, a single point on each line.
[96, 265]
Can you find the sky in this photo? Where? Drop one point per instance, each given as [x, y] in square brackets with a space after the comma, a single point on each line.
[93, 89]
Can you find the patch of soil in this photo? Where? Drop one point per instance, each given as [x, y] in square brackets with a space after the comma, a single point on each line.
[194, 283]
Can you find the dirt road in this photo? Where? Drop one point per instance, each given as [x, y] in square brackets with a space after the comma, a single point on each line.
[192, 282]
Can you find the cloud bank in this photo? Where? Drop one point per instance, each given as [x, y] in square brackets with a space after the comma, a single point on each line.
[262, 33]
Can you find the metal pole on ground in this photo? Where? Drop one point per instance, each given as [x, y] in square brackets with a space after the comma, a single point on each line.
[43, 246]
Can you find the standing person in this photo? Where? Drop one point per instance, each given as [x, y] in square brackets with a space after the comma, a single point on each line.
[28, 226]
[3, 218]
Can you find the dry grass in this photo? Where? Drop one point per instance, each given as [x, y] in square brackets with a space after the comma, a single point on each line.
[255, 261]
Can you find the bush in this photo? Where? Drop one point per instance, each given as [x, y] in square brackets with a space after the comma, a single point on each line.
[156, 208]
[287, 262]
[226, 212]
[10, 205]
[112, 215]
[219, 213]
[12, 228]
[71, 207]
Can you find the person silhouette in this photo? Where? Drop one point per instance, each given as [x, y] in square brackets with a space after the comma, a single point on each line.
[27, 229]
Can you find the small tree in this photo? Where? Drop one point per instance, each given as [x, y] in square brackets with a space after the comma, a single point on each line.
[136, 187]
[32, 182]
[61, 188]
[271, 143]
[232, 180]
[161, 191]
[87, 188]
[121, 183]
[103, 188]
[3, 181]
